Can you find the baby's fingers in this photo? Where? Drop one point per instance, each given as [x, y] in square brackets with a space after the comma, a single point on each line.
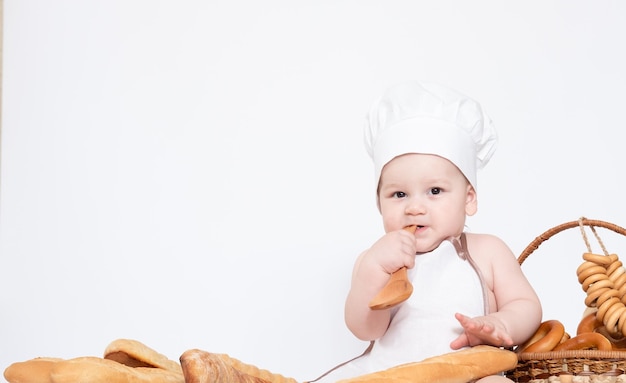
[460, 342]
[482, 330]
[494, 336]
[466, 322]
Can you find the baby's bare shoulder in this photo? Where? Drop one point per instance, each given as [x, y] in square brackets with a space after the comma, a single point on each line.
[488, 246]
[482, 239]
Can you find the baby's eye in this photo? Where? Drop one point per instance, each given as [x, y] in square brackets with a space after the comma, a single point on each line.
[435, 191]
[399, 194]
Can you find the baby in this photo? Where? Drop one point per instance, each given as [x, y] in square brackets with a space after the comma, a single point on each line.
[427, 142]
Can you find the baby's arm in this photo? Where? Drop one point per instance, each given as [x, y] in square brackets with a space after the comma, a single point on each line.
[371, 273]
[517, 312]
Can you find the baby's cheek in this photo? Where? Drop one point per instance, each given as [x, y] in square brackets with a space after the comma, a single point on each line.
[391, 223]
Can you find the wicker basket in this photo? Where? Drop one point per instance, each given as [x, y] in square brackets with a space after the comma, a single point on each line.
[537, 366]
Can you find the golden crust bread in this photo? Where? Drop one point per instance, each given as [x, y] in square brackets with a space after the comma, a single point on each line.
[455, 367]
[255, 371]
[99, 370]
[133, 353]
[205, 367]
[125, 361]
[31, 371]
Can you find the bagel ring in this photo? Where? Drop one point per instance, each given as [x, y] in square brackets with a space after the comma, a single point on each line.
[615, 269]
[602, 310]
[603, 260]
[589, 323]
[548, 335]
[593, 279]
[599, 293]
[592, 270]
[586, 341]
[588, 269]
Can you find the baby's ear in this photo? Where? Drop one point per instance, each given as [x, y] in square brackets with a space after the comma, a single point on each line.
[471, 201]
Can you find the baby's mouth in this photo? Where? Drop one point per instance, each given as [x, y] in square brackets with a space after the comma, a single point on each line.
[419, 228]
[414, 228]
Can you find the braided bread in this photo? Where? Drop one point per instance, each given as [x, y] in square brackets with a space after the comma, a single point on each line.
[205, 367]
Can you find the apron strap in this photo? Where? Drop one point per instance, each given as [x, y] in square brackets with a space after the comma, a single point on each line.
[367, 350]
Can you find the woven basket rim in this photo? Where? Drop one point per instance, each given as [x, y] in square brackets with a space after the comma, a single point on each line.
[572, 354]
[543, 237]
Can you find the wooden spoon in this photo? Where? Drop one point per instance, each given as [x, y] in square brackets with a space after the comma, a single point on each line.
[397, 290]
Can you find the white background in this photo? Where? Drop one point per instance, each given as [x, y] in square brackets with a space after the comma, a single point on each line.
[191, 174]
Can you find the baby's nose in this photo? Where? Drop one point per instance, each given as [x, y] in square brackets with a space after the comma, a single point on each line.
[415, 206]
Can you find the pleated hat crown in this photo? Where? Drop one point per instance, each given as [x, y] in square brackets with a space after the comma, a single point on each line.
[429, 118]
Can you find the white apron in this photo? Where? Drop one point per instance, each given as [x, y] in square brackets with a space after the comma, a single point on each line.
[444, 282]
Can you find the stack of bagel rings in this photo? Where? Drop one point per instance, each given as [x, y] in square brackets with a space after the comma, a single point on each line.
[603, 278]
[603, 326]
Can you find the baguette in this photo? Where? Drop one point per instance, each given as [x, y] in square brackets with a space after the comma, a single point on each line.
[205, 367]
[89, 369]
[31, 371]
[455, 367]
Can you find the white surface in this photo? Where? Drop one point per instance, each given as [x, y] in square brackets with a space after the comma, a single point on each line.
[191, 174]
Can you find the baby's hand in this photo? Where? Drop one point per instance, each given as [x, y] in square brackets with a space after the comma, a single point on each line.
[481, 330]
[393, 251]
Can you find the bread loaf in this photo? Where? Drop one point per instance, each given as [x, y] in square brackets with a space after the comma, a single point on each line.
[125, 361]
[456, 367]
[136, 354]
[98, 370]
[205, 367]
[31, 371]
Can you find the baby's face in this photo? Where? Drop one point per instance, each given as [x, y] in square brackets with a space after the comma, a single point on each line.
[427, 191]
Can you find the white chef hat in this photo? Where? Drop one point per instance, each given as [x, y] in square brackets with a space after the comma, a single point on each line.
[428, 118]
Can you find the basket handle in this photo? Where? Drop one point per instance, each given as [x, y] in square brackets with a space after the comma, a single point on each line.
[568, 225]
